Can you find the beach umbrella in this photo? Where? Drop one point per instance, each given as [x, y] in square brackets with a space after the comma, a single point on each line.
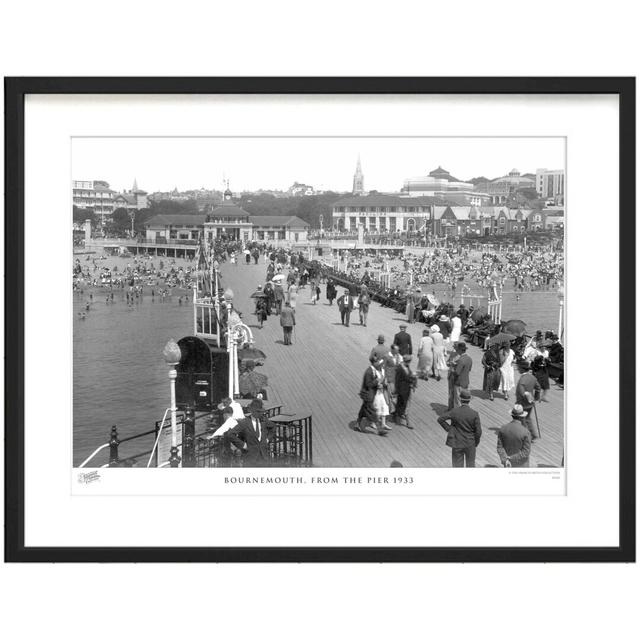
[251, 353]
[517, 327]
[501, 338]
[278, 278]
[478, 314]
[252, 383]
[258, 294]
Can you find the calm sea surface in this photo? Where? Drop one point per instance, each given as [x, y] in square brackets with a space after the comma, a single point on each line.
[119, 374]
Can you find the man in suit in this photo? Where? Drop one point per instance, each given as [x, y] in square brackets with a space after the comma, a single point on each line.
[252, 436]
[514, 440]
[278, 296]
[461, 372]
[463, 432]
[405, 383]
[403, 340]
[527, 389]
[345, 304]
[287, 321]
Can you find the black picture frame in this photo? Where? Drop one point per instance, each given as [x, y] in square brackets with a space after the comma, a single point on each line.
[15, 91]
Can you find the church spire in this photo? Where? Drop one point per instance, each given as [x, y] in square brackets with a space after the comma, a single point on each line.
[135, 185]
[358, 180]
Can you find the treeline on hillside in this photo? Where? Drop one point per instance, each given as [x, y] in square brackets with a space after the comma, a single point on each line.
[307, 208]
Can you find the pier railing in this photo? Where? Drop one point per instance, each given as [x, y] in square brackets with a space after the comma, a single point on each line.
[292, 443]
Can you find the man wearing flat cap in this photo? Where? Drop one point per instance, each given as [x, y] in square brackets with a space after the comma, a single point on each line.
[403, 340]
[514, 440]
[462, 425]
[252, 436]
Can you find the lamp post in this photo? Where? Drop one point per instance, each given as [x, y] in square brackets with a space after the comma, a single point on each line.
[132, 215]
[172, 357]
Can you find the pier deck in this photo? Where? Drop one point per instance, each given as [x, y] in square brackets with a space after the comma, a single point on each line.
[320, 374]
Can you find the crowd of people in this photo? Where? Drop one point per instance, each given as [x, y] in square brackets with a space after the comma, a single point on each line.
[390, 379]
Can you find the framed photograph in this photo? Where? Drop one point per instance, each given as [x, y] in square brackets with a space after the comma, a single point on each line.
[320, 319]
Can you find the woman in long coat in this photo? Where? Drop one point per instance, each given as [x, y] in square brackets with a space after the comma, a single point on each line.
[439, 355]
[410, 307]
[425, 355]
[491, 363]
[331, 291]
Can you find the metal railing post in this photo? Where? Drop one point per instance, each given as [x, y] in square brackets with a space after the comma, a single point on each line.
[113, 447]
[188, 438]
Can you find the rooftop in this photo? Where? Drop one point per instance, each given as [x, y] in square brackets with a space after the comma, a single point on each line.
[383, 200]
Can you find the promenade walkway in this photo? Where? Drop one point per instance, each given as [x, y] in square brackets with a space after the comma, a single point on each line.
[320, 374]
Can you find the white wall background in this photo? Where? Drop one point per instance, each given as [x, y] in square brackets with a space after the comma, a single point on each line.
[357, 38]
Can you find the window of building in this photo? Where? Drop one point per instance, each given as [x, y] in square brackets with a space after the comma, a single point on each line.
[392, 209]
[281, 235]
[353, 222]
[296, 236]
[173, 234]
[372, 222]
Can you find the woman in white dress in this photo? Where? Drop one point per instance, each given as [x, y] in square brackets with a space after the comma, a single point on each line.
[425, 356]
[439, 355]
[379, 401]
[293, 295]
[506, 370]
[456, 328]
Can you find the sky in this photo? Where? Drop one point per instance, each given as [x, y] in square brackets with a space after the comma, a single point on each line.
[160, 164]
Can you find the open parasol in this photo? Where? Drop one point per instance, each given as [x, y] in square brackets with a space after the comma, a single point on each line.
[251, 353]
[516, 327]
[432, 299]
[252, 383]
[258, 294]
[278, 278]
[501, 338]
[478, 314]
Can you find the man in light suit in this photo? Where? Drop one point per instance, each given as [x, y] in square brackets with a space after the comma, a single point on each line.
[252, 436]
[345, 304]
[287, 322]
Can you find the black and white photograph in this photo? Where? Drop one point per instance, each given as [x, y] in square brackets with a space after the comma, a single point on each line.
[343, 302]
[317, 310]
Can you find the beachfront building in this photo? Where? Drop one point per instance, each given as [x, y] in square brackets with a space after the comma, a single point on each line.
[134, 199]
[95, 195]
[550, 184]
[380, 213]
[488, 221]
[504, 187]
[229, 222]
[439, 183]
[279, 230]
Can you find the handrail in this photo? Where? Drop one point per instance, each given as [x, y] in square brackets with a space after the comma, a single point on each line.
[155, 444]
[100, 448]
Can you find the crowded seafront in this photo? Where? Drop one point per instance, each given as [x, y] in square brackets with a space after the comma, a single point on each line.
[121, 379]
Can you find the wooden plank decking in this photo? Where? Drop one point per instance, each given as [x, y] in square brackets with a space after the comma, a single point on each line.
[320, 374]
